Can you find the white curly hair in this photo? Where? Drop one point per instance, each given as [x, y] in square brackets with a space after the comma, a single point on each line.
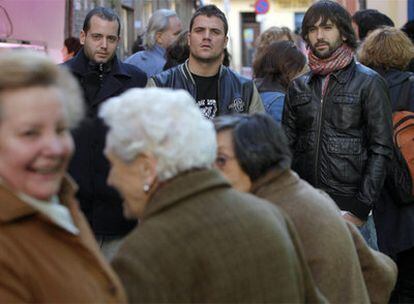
[163, 122]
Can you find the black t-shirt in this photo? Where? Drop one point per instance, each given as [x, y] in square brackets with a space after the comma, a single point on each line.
[207, 94]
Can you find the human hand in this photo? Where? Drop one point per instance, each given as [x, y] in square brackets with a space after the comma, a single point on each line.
[353, 219]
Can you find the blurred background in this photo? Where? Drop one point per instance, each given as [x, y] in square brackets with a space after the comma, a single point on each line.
[44, 24]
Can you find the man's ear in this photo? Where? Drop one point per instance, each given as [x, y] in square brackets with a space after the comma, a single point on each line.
[226, 40]
[82, 37]
[344, 38]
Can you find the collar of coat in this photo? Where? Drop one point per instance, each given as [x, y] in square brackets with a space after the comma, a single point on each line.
[183, 186]
[342, 76]
[13, 208]
[185, 70]
[265, 85]
[280, 180]
[80, 65]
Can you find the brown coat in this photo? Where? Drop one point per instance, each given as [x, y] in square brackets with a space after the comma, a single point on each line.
[334, 249]
[41, 262]
[202, 241]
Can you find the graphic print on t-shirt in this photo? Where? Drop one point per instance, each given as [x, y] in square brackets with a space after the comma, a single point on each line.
[207, 95]
[208, 107]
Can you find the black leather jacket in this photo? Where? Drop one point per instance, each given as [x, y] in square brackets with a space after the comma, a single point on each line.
[342, 141]
[237, 94]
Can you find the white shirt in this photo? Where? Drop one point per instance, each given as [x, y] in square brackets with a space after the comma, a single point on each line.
[58, 213]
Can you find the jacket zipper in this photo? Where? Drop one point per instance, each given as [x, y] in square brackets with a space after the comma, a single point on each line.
[319, 126]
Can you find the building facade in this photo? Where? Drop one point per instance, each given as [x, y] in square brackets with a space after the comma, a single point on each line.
[134, 15]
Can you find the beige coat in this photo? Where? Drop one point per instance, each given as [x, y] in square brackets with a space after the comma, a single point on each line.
[201, 241]
[41, 262]
[342, 265]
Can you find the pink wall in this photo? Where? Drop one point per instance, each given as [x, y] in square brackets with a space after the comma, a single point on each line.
[41, 20]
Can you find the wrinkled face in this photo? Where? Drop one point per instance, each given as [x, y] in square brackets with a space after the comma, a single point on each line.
[100, 41]
[207, 39]
[128, 178]
[35, 143]
[166, 38]
[227, 163]
[324, 39]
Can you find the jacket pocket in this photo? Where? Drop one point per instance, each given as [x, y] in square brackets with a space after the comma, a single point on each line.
[305, 112]
[345, 98]
[345, 160]
[346, 111]
[301, 99]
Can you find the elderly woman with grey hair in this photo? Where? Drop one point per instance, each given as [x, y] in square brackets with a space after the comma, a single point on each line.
[163, 28]
[253, 153]
[48, 252]
[199, 240]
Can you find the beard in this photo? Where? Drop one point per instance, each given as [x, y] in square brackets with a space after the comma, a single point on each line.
[212, 59]
[327, 53]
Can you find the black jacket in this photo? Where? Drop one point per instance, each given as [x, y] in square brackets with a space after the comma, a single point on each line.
[394, 221]
[236, 94]
[101, 204]
[396, 80]
[341, 143]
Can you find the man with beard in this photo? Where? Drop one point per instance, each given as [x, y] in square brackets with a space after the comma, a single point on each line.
[338, 116]
[101, 75]
[217, 89]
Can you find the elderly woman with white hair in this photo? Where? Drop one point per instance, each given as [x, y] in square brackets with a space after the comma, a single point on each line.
[47, 250]
[199, 240]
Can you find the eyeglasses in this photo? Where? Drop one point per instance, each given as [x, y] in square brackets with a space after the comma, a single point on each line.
[222, 159]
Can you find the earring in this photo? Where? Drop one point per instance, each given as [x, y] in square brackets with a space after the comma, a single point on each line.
[146, 188]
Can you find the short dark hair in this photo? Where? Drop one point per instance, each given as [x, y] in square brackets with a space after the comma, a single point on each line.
[408, 28]
[259, 143]
[209, 11]
[226, 58]
[336, 13]
[73, 45]
[369, 20]
[279, 62]
[103, 13]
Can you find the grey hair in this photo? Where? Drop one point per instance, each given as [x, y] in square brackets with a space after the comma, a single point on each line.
[24, 69]
[158, 22]
[163, 122]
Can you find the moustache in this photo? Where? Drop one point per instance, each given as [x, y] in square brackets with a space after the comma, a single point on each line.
[320, 43]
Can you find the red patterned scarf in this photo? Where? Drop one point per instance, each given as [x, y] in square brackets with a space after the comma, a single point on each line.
[337, 61]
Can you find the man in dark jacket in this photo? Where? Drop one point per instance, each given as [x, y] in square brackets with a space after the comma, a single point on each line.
[101, 76]
[217, 89]
[338, 116]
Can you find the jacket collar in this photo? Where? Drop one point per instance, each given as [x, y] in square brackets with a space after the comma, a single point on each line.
[80, 65]
[13, 208]
[341, 76]
[158, 50]
[185, 69]
[265, 85]
[278, 179]
[182, 186]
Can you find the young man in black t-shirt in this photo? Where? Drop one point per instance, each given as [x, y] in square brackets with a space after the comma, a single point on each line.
[217, 89]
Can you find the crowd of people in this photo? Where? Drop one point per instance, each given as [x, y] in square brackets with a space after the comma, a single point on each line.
[169, 177]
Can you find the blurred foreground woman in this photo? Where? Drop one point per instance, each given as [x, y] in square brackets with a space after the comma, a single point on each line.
[253, 154]
[199, 240]
[47, 251]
